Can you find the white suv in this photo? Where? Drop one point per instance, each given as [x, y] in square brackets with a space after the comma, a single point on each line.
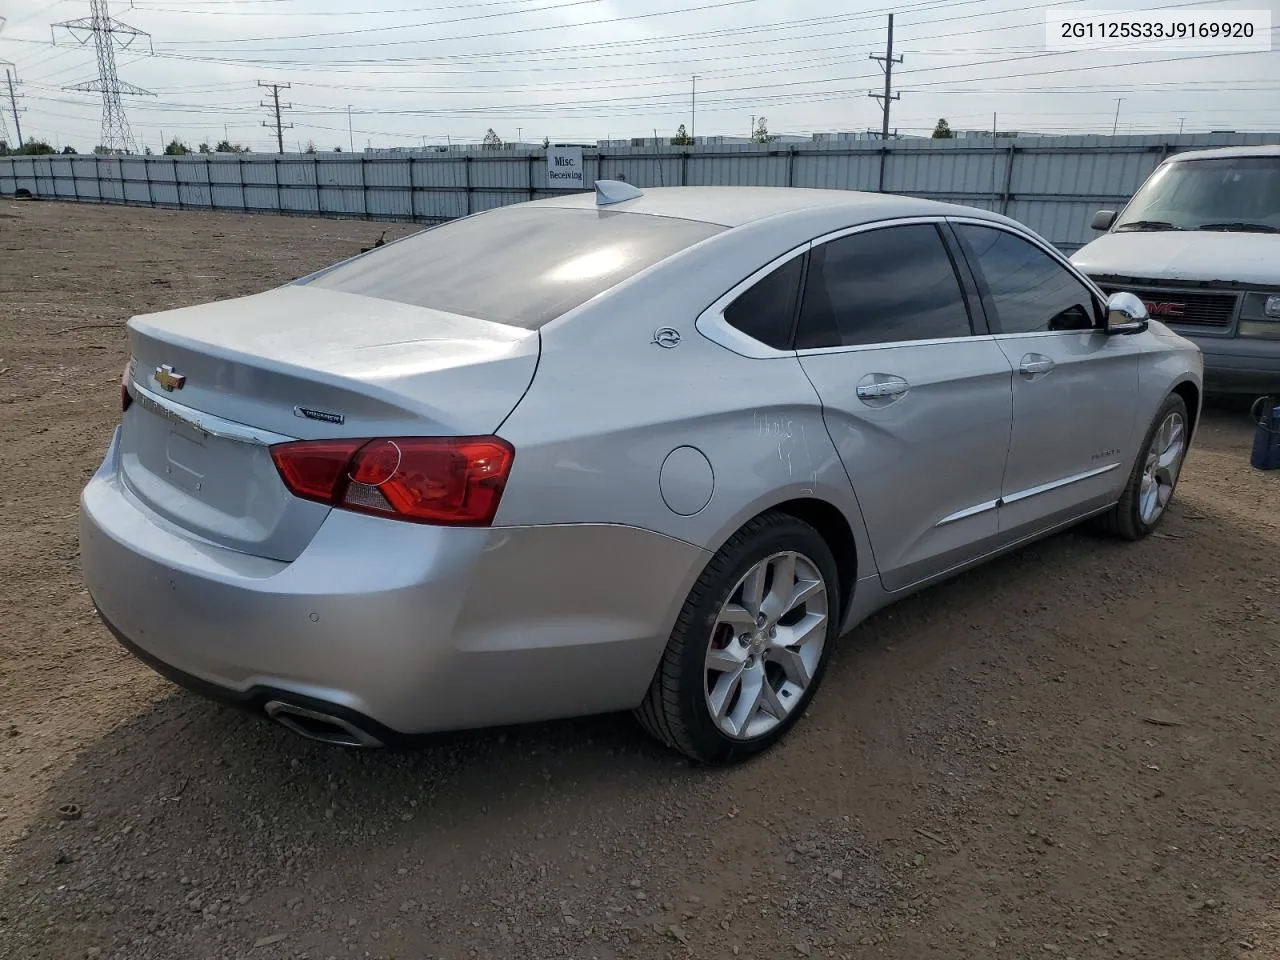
[1200, 244]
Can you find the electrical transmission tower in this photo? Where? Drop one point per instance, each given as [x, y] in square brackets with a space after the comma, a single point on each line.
[13, 102]
[277, 106]
[886, 64]
[13, 105]
[107, 34]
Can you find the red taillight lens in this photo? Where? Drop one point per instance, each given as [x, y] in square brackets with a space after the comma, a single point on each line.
[453, 481]
[125, 397]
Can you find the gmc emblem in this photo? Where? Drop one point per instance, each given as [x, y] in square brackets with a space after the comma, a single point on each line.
[1165, 308]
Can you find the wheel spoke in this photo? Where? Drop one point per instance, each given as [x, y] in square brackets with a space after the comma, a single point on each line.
[806, 630]
[748, 705]
[721, 697]
[792, 664]
[753, 588]
[782, 587]
[728, 660]
[738, 617]
[804, 590]
[770, 702]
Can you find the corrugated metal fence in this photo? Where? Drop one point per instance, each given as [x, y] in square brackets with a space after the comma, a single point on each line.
[1053, 185]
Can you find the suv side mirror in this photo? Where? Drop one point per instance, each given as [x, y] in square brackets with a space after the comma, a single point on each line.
[1126, 313]
[1103, 219]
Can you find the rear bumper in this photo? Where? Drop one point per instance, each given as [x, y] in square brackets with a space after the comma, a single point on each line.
[407, 629]
[1239, 364]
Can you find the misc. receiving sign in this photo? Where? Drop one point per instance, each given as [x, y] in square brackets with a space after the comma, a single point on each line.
[564, 168]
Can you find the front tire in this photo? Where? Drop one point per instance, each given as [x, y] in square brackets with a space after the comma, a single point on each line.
[1154, 476]
[750, 646]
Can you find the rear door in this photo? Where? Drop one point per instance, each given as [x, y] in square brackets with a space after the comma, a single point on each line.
[917, 401]
[1074, 388]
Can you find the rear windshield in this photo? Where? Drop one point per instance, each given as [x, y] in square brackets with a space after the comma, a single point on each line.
[520, 266]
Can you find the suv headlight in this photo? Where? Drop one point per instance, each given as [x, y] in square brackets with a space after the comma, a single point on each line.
[1260, 316]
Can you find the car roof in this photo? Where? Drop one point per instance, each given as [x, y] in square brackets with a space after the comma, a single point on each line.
[735, 206]
[1258, 150]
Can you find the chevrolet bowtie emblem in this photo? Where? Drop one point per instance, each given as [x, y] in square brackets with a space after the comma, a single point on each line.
[168, 378]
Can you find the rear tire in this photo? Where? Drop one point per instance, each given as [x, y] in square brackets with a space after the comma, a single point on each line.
[750, 646]
[1154, 476]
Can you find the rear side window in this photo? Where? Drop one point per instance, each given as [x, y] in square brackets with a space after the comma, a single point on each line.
[881, 286]
[765, 311]
[521, 266]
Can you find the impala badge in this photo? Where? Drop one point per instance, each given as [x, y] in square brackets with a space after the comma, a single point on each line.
[168, 378]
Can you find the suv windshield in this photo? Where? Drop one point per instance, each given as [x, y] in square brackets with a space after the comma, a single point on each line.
[1228, 193]
[521, 266]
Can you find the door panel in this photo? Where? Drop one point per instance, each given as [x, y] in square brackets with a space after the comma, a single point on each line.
[1069, 449]
[926, 463]
[1074, 388]
[919, 409]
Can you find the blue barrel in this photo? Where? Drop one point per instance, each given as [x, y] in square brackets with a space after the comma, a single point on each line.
[1266, 439]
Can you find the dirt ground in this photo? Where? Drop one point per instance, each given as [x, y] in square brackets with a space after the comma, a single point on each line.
[1072, 752]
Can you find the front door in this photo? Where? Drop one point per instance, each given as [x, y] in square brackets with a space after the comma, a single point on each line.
[918, 406]
[1074, 387]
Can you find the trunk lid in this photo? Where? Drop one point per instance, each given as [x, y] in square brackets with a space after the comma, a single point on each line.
[297, 363]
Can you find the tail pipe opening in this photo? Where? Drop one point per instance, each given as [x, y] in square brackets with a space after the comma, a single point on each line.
[316, 725]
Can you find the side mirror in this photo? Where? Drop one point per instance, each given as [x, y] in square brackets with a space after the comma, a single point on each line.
[1126, 313]
[1103, 219]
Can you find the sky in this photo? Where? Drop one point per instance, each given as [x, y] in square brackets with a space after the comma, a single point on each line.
[401, 73]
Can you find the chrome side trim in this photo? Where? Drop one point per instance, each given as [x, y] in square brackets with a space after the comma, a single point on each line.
[967, 512]
[205, 423]
[978, 508]
[1055, 484]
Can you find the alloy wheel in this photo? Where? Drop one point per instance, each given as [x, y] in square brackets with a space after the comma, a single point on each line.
[1160, 472]
[766, 644]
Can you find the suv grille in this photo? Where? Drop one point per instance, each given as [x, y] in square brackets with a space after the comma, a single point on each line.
[1192, 308]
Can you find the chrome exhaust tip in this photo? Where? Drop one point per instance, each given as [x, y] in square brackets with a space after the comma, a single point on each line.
[316, 725]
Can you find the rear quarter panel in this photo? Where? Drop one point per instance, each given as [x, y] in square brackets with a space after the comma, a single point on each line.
[608, 406]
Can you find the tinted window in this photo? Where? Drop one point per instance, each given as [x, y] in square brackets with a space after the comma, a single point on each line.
[521, 266]
[765, 311]
[881, 286]
[1029, 290]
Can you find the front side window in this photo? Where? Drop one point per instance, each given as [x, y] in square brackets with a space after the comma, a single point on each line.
[1027, 290]
[888, 285]
[1224, 193]
[521, 266]
[765, 310]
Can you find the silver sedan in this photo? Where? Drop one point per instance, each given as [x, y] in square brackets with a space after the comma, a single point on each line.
[632, 451]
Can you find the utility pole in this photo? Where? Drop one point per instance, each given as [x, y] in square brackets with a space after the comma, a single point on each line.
[351, 136]
[693, 111]
[276, 106]
[107, 32]
[1115, 123]
[13, 104]
[886, 64]
[1181, 121]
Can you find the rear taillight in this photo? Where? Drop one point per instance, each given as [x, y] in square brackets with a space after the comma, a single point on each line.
[125, 397]
[451, 481]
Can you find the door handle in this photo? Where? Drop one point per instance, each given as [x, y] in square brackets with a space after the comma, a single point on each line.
[882, 387]
[1034, 364]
